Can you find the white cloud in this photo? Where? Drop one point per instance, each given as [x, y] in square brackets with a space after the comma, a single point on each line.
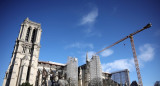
[90, 17]
[90, 54]
[146, 52]
[106, 53]
[88, 21]
[80, 45]
[103, 54]
[118, 65]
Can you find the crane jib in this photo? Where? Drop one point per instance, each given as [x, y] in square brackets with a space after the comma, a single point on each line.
[147, 26]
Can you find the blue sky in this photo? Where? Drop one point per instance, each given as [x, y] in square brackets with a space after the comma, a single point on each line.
[74, 27]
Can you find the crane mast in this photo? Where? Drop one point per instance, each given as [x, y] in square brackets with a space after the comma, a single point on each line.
[133, 50]
[136, 61]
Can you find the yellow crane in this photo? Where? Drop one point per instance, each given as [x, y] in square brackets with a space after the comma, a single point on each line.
[133, 50]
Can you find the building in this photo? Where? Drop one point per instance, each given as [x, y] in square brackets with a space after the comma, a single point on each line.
[121, 77]
[25, 66]
[157, 83]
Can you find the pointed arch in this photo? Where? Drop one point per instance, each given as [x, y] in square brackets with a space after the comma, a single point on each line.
[34, 35]
[27, 34]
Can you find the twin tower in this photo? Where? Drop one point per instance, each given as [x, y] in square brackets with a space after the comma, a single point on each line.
[24, 61]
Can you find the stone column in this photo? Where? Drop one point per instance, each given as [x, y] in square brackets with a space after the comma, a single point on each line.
[38, 37]
[40, 78]
[25, 64]
[48, 78]
[34, 63]
[24, 32]
[20, 32]
[15, 71]
[80, 77]
[33, 70]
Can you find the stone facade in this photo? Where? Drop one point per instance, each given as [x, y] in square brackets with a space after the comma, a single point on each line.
[95, 71]
[24, 61]
[25, 66]
[91, 72]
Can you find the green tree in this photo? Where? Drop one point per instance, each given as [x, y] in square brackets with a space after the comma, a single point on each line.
[26, 84]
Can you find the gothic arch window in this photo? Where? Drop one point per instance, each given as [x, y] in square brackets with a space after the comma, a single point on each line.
[27, 34]
[34, 35]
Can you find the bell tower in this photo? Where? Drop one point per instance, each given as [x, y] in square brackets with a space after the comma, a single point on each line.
[24, 61]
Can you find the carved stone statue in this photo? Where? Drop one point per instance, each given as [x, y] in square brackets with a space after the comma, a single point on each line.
[56, 77]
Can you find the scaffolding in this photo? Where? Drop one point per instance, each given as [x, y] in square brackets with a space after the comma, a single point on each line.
[121, 77]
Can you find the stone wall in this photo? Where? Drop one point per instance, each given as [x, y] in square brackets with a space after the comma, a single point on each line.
[51, 74]
[72, 71]
[95, 71]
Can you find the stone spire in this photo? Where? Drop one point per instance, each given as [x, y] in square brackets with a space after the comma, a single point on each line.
[27, 19]
[87, 57]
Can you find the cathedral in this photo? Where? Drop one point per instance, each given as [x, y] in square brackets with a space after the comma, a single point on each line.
[26, 67]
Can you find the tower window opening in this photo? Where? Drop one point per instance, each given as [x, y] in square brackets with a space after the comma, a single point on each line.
[34, 35]
[28, 72]
[27, 35]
